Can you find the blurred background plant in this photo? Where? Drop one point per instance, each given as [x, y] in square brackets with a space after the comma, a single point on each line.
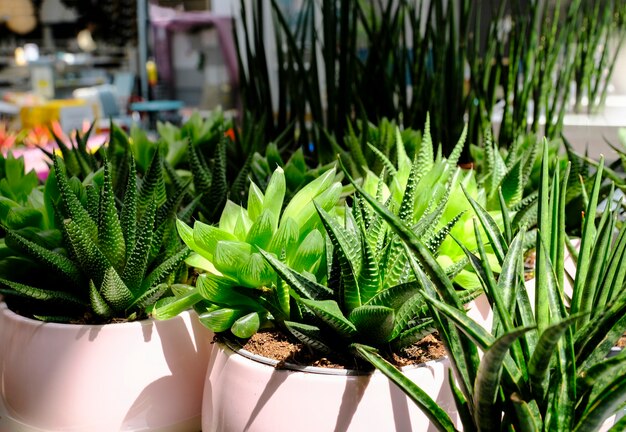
[510, 67]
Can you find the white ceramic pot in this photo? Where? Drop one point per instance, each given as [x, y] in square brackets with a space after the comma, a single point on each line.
[245, 392]
[137, 376]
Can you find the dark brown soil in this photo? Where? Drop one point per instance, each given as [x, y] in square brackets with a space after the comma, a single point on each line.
[274, 344]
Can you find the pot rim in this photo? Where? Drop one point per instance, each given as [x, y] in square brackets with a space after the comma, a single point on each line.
[6, 310]
[292, 367]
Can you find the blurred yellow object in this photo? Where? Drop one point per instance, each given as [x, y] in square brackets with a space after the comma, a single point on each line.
[151, 70]
[49, 112]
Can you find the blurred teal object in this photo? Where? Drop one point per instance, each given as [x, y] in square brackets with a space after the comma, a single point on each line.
[159, 110]
[157, 106]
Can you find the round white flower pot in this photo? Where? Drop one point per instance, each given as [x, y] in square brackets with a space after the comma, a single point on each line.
[136, 376]
[246, 392]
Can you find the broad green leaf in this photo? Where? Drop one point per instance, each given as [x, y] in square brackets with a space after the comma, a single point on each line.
[169, 307]
[222, 319]
[286, 238]
[229, 216]
[206, 237]
[274, 195]
[185, 232]
[255, 272]
[305, 197]
[229, 255]
[262, 230]
[255, 201]
[309, 253]
[219, 290]
[246, 326]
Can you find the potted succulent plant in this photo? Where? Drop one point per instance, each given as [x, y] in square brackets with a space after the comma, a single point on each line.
[77, 350]
[547, 363]
[326, 276]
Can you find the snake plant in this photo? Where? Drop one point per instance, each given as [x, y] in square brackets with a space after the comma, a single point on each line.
[114, 259]
[545, 365]
[238, 291]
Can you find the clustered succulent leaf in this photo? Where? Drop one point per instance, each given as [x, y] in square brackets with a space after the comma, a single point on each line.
[371, 295]
[547, 365]
[438, 200]
[240, 291]
[111, 262]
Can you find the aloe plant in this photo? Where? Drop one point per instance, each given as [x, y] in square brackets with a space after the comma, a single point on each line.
[544, 367]
[111, 262]
[238, 290]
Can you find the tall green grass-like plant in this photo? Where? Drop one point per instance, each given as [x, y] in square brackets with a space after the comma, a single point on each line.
[110, 263]
[460, 61]
[545, 366]
[602, 35]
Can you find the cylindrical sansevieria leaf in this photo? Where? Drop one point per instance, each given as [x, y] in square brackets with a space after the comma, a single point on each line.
[206, 237]
[309, 252]
[255, 272]
[262, 230]
[275, 194]
[255, 201]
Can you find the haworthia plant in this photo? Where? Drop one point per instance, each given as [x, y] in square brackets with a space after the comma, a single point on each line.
[115, 259]
[437, 186]
[370, 295]
[238, 291]
[547, 367]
